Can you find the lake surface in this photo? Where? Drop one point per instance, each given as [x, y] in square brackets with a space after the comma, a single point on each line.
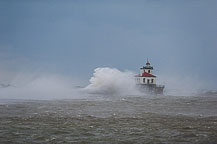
[110, 119]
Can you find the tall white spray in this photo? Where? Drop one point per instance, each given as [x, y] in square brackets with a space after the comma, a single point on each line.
[112, 81]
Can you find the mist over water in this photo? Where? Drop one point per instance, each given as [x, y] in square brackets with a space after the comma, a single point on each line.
[105, 81]
[178, 85]
[29, 86]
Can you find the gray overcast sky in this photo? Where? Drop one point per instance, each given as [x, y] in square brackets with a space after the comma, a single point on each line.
[75, 36]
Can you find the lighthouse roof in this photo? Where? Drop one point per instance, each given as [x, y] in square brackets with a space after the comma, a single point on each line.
[145, 74]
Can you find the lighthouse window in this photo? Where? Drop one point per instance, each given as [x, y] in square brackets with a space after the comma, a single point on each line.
[148, 81]
[149, 71]
[144, 80]
[152, 80]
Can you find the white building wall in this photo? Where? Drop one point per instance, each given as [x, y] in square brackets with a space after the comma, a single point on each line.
[146, 70]
[139, 80]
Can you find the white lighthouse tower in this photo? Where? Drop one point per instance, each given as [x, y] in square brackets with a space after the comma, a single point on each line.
[146, 81]
[146, 76]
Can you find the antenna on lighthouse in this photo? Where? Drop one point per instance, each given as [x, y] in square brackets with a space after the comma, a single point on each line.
[147, 63]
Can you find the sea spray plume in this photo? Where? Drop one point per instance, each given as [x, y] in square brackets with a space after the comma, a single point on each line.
[112, 81]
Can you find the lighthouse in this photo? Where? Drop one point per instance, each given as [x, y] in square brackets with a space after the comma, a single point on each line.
[146, 81]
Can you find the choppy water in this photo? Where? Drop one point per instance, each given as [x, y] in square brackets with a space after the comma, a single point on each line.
[157, 119]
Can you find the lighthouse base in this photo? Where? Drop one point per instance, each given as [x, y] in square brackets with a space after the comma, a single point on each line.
[151, 88]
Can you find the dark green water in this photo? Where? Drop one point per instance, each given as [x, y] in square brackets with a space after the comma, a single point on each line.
[159, 119]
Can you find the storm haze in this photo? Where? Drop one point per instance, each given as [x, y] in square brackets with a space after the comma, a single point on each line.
[69, 39]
